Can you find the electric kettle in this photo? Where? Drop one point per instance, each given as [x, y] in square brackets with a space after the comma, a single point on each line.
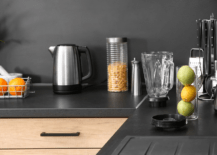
[67, 72]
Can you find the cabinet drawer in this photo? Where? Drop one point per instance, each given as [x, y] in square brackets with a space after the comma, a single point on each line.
[26, 133]
[50, 152]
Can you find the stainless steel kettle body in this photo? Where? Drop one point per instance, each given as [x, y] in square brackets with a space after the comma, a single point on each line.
[67, 74]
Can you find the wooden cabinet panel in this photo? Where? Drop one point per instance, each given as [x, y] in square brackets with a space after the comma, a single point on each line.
[25, 132]
[50, 152]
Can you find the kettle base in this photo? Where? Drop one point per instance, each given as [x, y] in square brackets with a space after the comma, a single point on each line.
[70, 89]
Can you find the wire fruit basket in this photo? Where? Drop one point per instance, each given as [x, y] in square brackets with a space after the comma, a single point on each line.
[13, 93]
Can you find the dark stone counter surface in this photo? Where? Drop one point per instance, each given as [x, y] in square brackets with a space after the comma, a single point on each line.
[139, 124]
[94, 101]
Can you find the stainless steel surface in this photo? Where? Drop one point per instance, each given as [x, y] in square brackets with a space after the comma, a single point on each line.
[116, 40]
[215, 100]
[51, 49]
[214, 87]
[206, 39]
[200, 50]
[215, 38]
[216, 69]
[212, 40]
[211, 84]
[197, 60]
[50, 84]
[199, 32]
[208, 46]
[67, 65]
[204, 46]
[136, 79]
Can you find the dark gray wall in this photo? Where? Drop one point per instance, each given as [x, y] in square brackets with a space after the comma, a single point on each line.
[29, 27]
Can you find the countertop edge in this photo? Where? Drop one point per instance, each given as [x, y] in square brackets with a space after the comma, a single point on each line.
[62, 113]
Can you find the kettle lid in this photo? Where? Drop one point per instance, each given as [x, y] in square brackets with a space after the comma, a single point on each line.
[66, 45]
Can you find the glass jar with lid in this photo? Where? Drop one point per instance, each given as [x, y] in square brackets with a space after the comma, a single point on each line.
[117, 64]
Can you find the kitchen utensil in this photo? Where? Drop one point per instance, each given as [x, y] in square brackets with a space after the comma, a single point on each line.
[211, 86]
[168, 121]
[136, 85]
[158, 69]
[215, 98]
[16, 74]
[67, 74]
[11, 76]
[117, 64]
[197, 61]
[3, 72]
[179, 88]
[206, 39]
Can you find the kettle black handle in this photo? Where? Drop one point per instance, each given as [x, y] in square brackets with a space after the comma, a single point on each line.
[90, 67]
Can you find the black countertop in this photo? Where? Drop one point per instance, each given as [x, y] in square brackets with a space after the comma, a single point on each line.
[139, 124]
[94, 101]
[97, 102]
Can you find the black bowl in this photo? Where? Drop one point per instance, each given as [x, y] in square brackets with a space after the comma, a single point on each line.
[169, 121]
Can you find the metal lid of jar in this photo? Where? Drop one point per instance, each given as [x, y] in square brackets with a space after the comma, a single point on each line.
[134, 61]
[116, 40]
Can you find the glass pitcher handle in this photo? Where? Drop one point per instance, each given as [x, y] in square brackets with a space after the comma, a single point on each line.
[168, 75]
[171, 75]
[157, 76]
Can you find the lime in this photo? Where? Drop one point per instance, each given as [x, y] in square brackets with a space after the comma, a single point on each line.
[186, 75]
[185, 108]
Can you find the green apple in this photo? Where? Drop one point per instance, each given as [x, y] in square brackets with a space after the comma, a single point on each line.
[185, 108]
[186, 75]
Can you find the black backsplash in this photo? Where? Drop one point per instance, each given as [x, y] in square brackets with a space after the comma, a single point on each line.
[29, 27]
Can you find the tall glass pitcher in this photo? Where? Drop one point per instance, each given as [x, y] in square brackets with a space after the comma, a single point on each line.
[158, 69]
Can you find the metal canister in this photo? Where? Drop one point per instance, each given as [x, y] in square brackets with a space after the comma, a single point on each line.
[136, 79]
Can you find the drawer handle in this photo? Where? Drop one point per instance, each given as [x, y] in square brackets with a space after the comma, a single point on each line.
[60, 134]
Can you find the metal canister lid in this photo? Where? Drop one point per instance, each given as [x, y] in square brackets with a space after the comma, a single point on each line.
[116, 40]
[134, 61]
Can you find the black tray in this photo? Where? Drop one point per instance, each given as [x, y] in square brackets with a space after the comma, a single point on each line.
[168, 121]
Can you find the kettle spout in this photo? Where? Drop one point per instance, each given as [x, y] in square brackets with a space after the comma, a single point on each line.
[51, 49]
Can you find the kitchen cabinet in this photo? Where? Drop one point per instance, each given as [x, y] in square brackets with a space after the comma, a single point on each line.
[50, 152]
[23, 135]
[95, 113]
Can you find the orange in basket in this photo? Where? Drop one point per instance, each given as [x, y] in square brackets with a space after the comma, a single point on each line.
[19, 88]
[3, 89]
